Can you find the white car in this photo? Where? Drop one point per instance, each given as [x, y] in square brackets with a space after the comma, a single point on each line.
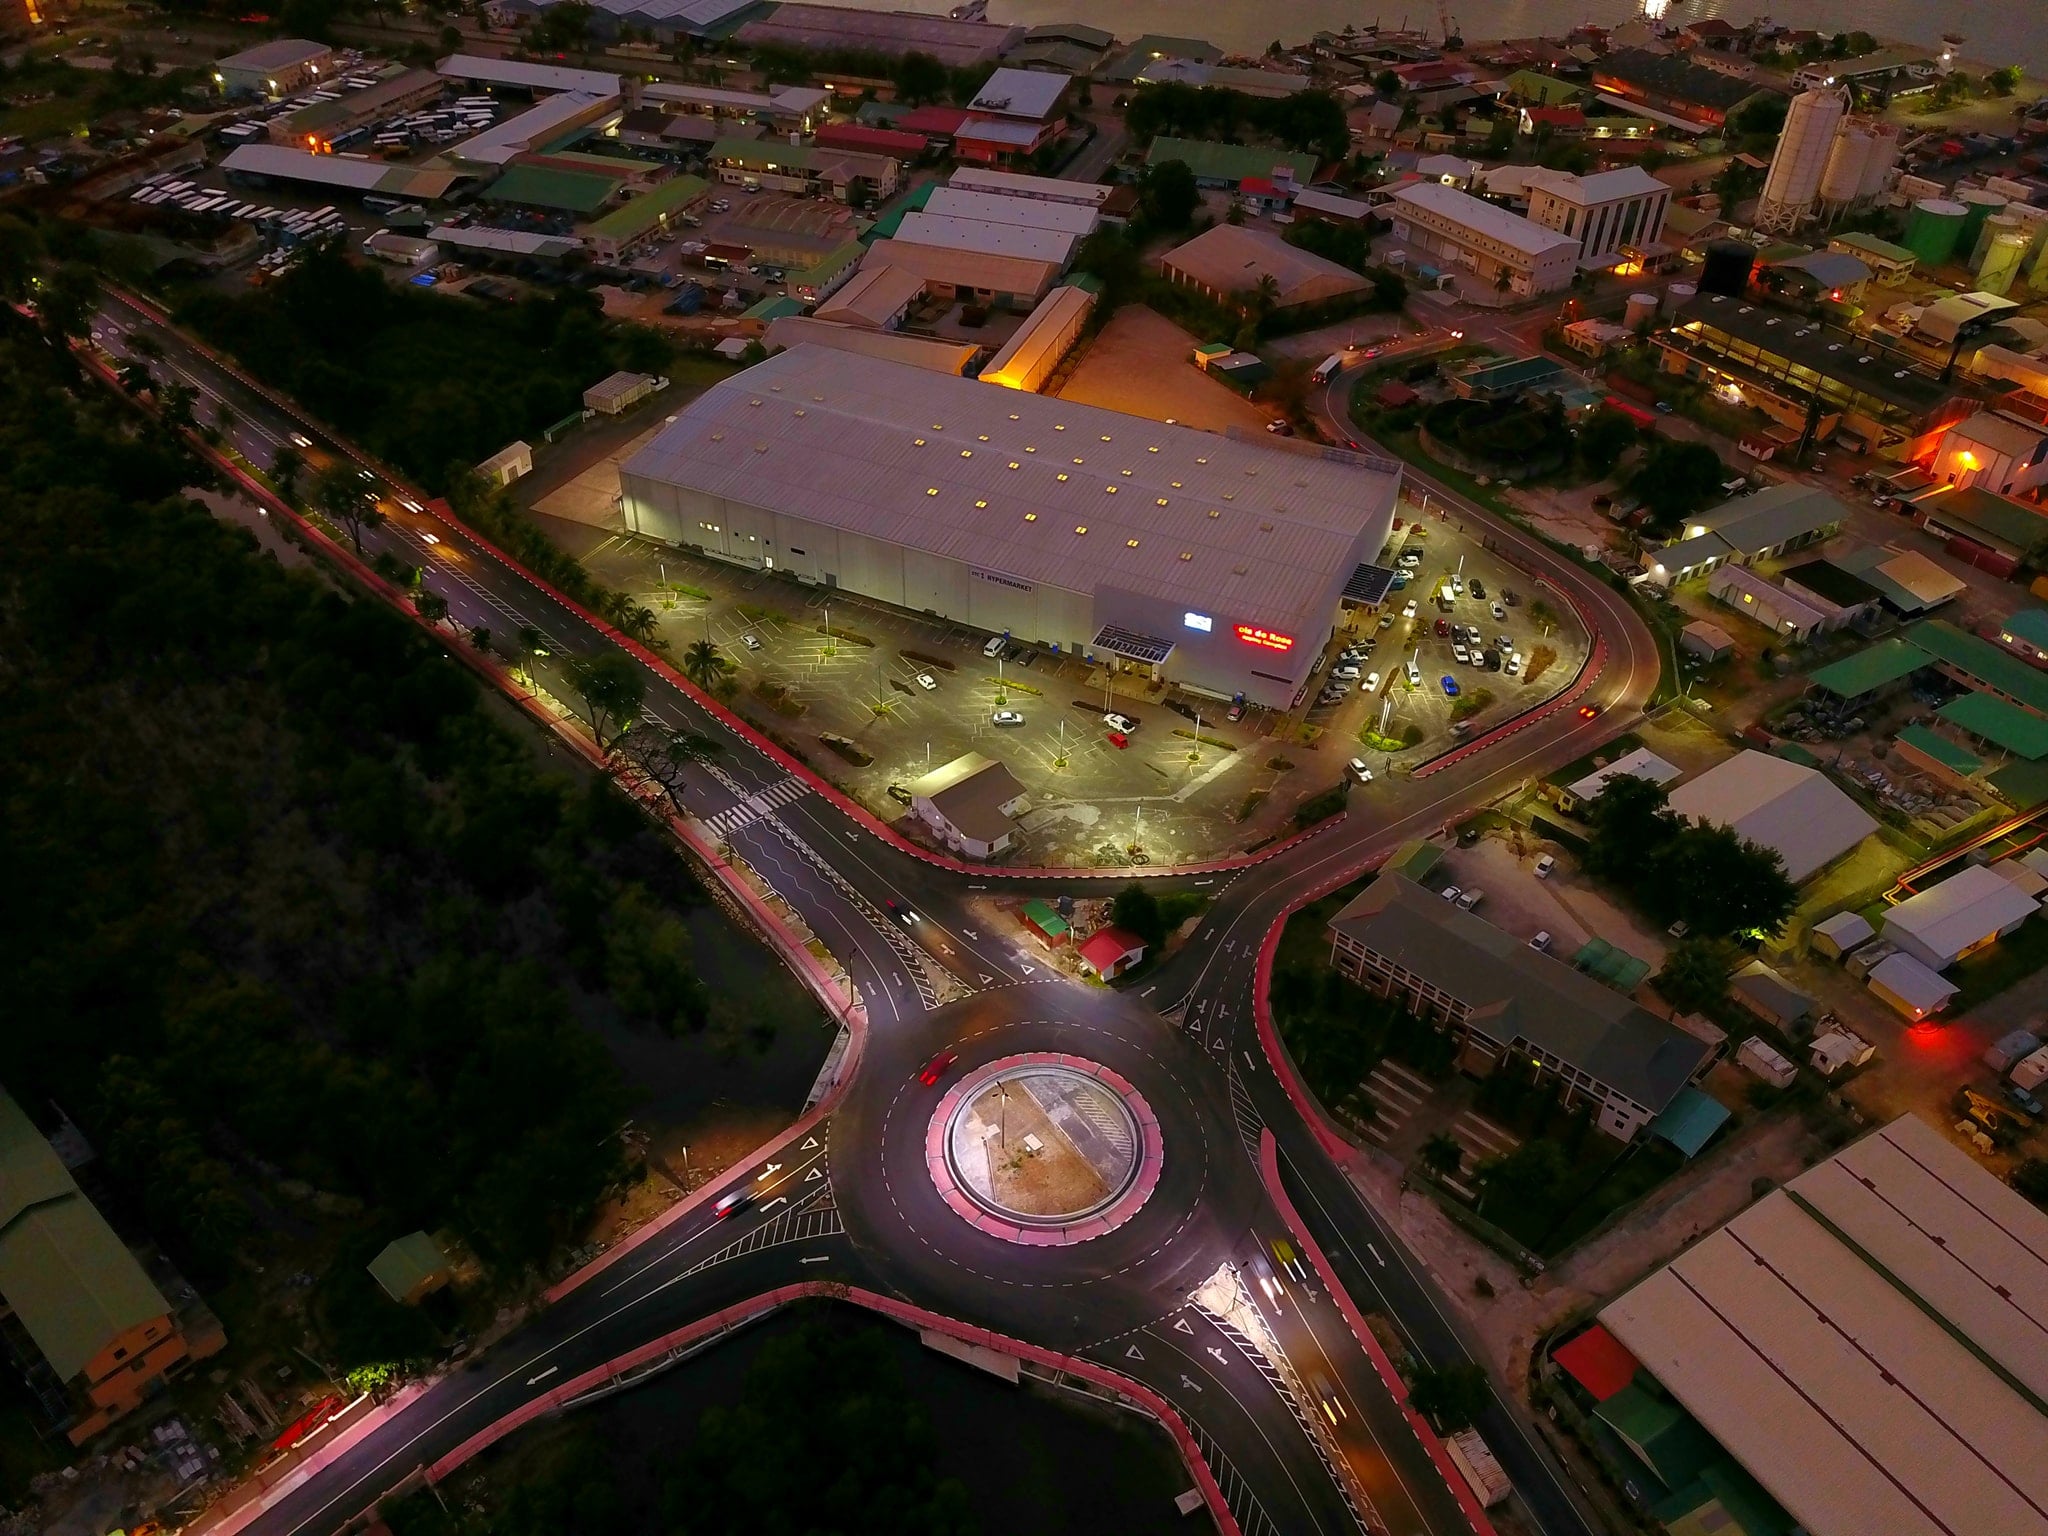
[1513, 665]
[1006, 717]
[1471, 899]
[1118, 722]
[1451, 893]
[1499, 612]
[300, 440]
[926, 681]
[1408, 609]
[1461, 653]
[751, 642]
[1411, 560]
[1544, 866]
[1359, 771]
[1541, 943]
[1372, 682]
[1349, 672]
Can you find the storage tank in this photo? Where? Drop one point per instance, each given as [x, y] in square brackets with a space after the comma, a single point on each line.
[1933, 228]
[1842, 182]
[1678, 295]
[1728, 266]
[1884, 159]
[1793, 181]
[1642, 308]
[1978, 205]
[1997, 224]
[2000, 266]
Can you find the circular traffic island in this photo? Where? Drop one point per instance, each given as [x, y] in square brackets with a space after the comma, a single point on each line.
[1044, 1149]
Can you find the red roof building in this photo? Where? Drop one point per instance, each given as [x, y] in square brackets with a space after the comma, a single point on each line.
[1110, 952]
[1597, 1361]
[937, 122]
[893, 142]
[1558, 119]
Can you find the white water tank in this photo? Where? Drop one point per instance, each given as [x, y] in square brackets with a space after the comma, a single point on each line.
[1642, 308]
[1842, 182]
[1680, 295]
[1793, 181]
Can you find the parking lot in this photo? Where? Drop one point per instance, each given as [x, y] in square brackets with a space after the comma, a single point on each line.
[1397, 718]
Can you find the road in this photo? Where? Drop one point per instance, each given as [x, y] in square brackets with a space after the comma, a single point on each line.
[858, 1206]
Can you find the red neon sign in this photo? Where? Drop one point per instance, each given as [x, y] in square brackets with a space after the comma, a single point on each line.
[1267, 639]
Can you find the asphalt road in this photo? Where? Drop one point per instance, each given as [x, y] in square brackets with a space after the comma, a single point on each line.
[1188, 1040]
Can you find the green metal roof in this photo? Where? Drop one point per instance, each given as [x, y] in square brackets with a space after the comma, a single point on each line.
[764, 154]
[1548, 90]
[2018, 528]
[1677, 1448]
[828, 266]
[773, 307]
[1689, 1121]
[2030, 625]
[1231, 162]
[637, 215]
[911, 202]
[1415, 860]
[1871, 245]
[1925, 739]
[407, 1263]
[1617, 967]
[1869, 669]
[2023, 784]
[1989, 666]
[539, 186]
[1040, 915]
[2003, 725]
[67, 1277]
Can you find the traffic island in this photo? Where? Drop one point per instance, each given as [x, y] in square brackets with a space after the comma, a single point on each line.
[1044, 1149]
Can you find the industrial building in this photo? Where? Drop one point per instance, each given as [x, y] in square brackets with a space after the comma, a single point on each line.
[1790, 809]
[265, 164]
[548, 122]
[877, 296]
[1969, 911]
[1215, 562]
[788, 108]
[1496, 246]
[1077, 220]
[522, 75]
[824, 28]
[1994, 450]
[972, 277]
[276, 68]
[1866, 1343]
[975, 178]
[1229, 261]
[664, 20]
[1029, 357]
[929, 352]
[1673, 89]
[1773, 522]
[649, 218]
[844, 174]
[1614, 215]
[317, 124]
[1513, 1009]
[88, 1330]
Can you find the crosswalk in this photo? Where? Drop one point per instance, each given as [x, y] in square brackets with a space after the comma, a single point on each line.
[1396, 1093]
[755, 806]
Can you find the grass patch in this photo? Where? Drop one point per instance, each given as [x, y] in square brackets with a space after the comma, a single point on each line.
[850, 636]
[1279, 764]
[1541, 660]
[683, 589]
[1470, 703]
[1321, 807]
[1012, 683]
[754, 613]
[778, 698]
[1208, 741]
[1989, 972]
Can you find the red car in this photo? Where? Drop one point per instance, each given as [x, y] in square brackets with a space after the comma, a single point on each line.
[1588, 711]
[1443, 629]
[1119, 740]
[936, 1067]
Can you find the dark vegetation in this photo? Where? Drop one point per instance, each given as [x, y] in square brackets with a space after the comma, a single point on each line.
[425, 383]
[1523, 433]
[1720, 885]
[284, 900]
[1306, 120]
[1676, 479]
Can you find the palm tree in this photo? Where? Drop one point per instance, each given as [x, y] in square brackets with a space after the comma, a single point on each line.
[704, 664]
[1442, 1154]
[1266, 294]
[636, 619]
[527, 643]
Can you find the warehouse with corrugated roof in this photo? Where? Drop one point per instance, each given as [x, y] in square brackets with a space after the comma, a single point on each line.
[1217, 562]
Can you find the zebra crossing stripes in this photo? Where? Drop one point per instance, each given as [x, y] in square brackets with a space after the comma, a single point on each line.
[755, 806]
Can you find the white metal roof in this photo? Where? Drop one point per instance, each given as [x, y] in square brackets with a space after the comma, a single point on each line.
[1602, 186]
[1870, 1342]
[1912, 982]
[1051, 188]
[1780, 805]
[873, 296]
[288, 164]
[960, 234]
[532, 77]
[1050, 328]
[1029, 93]
[1639, 764]
[505, 242]
[990, 131]
[1333, 205]
[505, 141]
[1041, 489]
[1075, 219]
[1948, 918]
[918, 351]
[277, 53]
[777, 98]
[1482, 218]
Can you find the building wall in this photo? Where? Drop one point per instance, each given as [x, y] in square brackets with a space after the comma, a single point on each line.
[1215, 660]
[1455, 245]
[277, 82]
[128, 1370]
[1962, 461]
[1617, 1114]
[1601, 228]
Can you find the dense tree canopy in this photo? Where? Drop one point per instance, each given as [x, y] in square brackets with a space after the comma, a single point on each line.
[1718, 883]
[1677, 479]
[1306, 120]
[280, 893]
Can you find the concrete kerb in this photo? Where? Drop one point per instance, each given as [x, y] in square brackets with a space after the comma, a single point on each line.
[268, 1494]
[898, 1311]
[1269, 1170]
[439, 508]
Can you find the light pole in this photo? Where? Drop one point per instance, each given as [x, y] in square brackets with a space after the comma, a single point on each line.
[1003, 1116]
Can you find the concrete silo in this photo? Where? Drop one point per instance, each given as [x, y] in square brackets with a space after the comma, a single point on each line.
[1842, 182]
[1793, 181]
[1884, 159]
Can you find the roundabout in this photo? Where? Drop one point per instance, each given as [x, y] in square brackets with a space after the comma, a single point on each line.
[1044, 1149]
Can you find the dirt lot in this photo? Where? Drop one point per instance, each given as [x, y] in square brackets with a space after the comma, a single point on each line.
[1139, 364]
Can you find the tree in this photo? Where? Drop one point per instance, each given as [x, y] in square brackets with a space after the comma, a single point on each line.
[1760, 116]
[1722, 883]
[1695, 973]
[1603, 437]
[704, 664]
[612, 689]
[1677, 479]
[1451, 1396]
[431, 606]
[1136, 910]
[135, 376]
[2004, 82]
[1527, 1179]
[451, 40]
[919, 78]
[65, 301]
[342, 496]
[1168, 195]
[1443, 1154]
[21, 251]
[1389, 289]
[1630, 820]
[285, 467]
[1386, 85]
[526, 643]
[1265, 295]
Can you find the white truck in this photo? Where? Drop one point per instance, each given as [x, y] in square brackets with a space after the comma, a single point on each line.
[2030, 1071]
[1328, 368]
[1475, 1462]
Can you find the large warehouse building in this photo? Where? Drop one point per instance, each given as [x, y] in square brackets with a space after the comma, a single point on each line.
[1216, 562]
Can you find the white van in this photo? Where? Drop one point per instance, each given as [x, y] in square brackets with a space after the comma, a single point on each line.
[1328, 368]
[994, 648]
[1414, 675]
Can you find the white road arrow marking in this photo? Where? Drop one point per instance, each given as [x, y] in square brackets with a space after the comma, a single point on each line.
[1375, 1255]
[534, 1381]
[1249, 1062]
[970, 933]
[823, 1258]
[1134, 1353]
[1188, 1381]
[1218, 1354]
[770, 1205]
[771, 1168]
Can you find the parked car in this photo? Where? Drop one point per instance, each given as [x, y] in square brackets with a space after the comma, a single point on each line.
[1471, 898]
[1408, 611]
[1451, 894]
[1450, 685]
[926, 681]
[899, 794]
[1117, 722]
[1372, 682]
[751, 642]
[1359, 771]
[1541, 943]
[1478, 587]
[1545, 865]
[2024, 1101]
[1499, 612]
[1349, 672]
[1462, 656]
[1006, 717]
[1443, 628]
[1119, 740]
[1279, 428]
